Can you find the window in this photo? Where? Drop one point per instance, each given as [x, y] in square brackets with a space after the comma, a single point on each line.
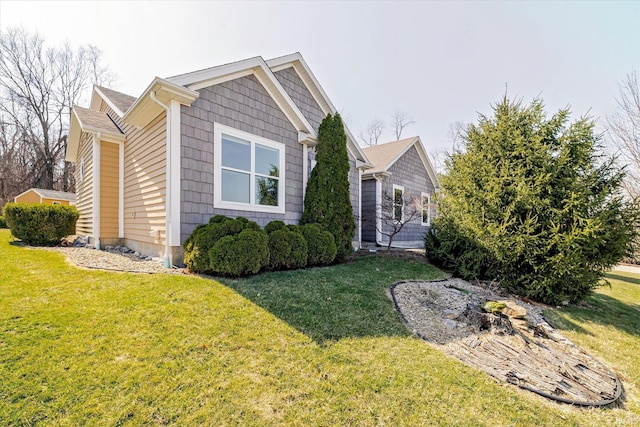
[398, 203]
[249, 173]
[56, 203]
[426, 209]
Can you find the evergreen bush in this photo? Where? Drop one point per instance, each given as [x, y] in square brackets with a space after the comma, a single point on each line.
[240, 255]
[531, 202]
[274, 226]
[3, 222]
[38, 224]
[287, 250]
[199, 243]
[327, 199]
[321, 246]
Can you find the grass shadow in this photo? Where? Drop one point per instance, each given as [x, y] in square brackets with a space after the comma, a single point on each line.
[604, 310]
[341, 301]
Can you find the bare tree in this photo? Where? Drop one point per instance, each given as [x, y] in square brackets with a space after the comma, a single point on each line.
[393, 213]
[399, 121]
[455, 134]
[373, 132]
[624, 129]
[38, 87]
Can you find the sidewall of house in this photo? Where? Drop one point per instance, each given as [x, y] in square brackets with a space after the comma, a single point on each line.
[84, 186]
[409, 172]
[245, 105]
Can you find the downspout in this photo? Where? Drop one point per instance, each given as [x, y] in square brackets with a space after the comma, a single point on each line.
[167, 234]
[359, 208]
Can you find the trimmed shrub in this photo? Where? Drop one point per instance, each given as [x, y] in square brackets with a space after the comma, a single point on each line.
[240, 255]
[3, 222]
[37, 224]
[321, 246]
[274, 226]
[200, 242]
[287, 250]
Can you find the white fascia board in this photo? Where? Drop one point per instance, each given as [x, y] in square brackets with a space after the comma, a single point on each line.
[213, 73]
[144, 109]
[95, 101]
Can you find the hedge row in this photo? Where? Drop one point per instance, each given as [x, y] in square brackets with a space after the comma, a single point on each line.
[239, 247]
[37, 224]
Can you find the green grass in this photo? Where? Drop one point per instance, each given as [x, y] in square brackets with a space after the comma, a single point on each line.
[318, 347]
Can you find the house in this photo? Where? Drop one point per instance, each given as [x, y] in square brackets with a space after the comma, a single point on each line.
[47, 197]
[236, 139]
[399, 188]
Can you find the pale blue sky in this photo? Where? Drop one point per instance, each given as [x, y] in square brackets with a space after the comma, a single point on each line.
[440, 62]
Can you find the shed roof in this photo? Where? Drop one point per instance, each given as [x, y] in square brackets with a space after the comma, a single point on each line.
[121, 100]
[51, 194]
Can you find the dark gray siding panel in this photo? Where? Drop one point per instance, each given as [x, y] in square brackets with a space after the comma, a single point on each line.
[369, 210]
[243, 104]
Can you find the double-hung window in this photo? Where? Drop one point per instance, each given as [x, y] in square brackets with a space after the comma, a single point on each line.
[398, 203]
[426, 209]
[249, 171]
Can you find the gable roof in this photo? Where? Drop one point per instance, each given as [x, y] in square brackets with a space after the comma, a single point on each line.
[384, 156]
[300, 66]
[51, 194]
[91, 121]
[118, 101]
[253, 66]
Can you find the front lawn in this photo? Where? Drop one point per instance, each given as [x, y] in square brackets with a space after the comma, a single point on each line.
[315, 347]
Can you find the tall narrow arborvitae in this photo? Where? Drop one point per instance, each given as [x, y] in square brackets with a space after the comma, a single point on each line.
[327, 199]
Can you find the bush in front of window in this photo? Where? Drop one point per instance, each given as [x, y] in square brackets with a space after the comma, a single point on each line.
[287, 248]
[321, 246]
[274, 226]
[37, 224]
[3, 222]
[204, 237]
[240, 255]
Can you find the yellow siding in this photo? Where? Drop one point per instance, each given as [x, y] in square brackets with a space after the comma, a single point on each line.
[144, 178]
[56, 201]
[28, 197]
[84, 187]
[109, 189]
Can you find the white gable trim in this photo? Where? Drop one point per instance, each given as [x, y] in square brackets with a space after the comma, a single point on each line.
[95, 101]
[299, 65]
[252, 66]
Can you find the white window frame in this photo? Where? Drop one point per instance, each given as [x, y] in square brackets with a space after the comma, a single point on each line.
[393, 204]
[252, 206]
[422, 208]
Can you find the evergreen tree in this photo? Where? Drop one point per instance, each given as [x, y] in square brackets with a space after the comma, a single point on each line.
[532, 203]
[327, 199]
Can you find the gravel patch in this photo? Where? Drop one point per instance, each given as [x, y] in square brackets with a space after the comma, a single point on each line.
[432, 310]
[114, 260]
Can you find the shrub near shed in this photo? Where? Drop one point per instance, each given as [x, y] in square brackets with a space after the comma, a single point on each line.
[37, 224]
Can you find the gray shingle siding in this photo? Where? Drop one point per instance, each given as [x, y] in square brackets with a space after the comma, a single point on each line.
[245, 105]
[408, 172]
[296, 89]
